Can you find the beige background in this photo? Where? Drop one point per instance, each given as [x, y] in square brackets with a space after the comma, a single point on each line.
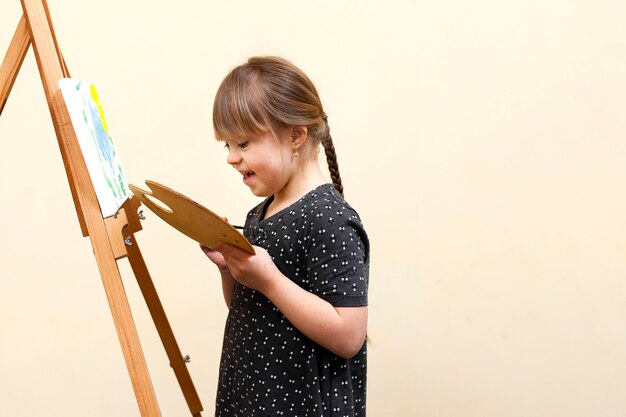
[482, 142]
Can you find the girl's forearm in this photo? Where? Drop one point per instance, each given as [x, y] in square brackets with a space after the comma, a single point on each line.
[228, 286]
[340, 330]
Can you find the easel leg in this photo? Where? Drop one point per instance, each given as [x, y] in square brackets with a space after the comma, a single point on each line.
[36, 27]
[51, 71]
[13, 60]
[88, 209]
[123, 320]
[66, 72]
[163, 327]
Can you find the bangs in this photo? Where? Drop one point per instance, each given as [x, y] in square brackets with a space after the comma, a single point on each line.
[238, 111]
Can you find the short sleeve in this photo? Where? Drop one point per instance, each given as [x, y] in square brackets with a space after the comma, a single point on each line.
[338, 256]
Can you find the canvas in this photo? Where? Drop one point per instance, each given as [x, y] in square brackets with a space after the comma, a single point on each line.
[101, 155]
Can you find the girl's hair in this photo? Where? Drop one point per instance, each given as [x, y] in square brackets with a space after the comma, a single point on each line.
[270, 94]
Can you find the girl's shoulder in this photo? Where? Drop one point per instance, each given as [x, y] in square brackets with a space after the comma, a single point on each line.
[324, 202]
[329, 217]
[334, 226]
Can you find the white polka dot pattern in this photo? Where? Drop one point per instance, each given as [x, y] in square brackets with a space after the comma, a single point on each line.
[269, 368]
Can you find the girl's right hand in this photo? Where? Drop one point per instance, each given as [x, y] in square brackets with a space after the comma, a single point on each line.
[217, 258]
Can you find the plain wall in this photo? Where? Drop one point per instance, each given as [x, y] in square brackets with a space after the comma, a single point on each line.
[482, 142]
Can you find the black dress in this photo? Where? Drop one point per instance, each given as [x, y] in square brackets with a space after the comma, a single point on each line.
[268, 367]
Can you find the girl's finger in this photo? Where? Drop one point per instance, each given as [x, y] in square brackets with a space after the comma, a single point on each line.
[229, 251]
[206, 249]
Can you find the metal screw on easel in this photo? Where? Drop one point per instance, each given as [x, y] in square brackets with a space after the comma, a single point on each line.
[186, 359]
[141, 216]
[127, 241]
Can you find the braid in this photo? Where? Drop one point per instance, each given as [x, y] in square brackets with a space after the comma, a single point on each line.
[333, 167]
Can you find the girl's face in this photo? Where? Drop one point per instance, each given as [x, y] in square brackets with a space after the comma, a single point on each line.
[265, 162]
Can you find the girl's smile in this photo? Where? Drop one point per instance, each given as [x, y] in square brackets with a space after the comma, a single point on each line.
[264, 161]
[272, 166]
[248, 177]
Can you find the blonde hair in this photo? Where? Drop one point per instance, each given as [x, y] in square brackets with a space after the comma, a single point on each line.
[268, 94]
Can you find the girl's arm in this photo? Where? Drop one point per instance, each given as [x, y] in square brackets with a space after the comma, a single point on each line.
[341, 330]
[228, 283]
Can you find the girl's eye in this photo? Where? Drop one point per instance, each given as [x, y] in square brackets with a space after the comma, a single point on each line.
[242, 145]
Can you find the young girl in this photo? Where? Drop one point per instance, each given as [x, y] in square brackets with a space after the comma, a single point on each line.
[294, 343]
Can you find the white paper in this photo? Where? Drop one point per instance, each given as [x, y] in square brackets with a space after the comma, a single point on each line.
[101, 156]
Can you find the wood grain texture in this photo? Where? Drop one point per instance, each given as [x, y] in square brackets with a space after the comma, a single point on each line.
[13, 60]
[50, 70]
[190, 218]
[164, 329]
[92, 223]
[121, 225]
[66, 72]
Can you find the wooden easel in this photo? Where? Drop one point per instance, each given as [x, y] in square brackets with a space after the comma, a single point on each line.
[112, 238]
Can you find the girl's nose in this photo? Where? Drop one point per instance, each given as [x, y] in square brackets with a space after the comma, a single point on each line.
[233, 157]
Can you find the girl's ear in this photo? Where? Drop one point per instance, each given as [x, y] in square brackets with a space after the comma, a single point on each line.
[298, 136]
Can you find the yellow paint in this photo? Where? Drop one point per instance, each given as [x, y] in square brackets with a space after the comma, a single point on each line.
[96, 99]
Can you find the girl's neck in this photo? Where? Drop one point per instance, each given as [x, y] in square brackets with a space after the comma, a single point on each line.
[305, 179]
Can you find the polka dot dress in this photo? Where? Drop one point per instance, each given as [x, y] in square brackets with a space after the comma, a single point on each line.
[269, 368]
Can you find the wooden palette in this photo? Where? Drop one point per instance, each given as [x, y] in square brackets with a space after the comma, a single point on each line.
[189, 217]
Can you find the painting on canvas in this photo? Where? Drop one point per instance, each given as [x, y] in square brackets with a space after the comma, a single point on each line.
[101, 156]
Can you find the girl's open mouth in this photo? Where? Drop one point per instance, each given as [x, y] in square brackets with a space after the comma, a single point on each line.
[247, 176]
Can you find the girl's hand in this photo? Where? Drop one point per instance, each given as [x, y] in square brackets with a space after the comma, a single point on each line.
[254, 271]
[216, 258]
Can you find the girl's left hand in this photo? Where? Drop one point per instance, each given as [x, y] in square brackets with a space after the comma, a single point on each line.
[254, 271]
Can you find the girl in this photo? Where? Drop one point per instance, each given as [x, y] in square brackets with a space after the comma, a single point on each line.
[294, 343]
